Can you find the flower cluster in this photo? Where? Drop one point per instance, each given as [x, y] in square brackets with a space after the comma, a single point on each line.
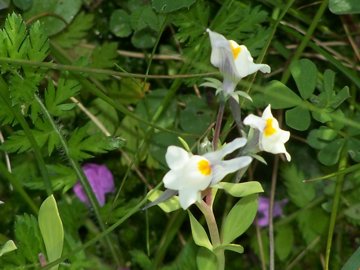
[190, 174]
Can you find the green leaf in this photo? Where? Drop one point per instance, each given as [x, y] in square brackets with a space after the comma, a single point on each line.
[205, 259]
[298, 118]
[75, 32]
[310, 229]
[344, 6]
[120, 23]
[299, 192]
[280, 96]
[43, 134]
[14, 40]
[353, 146]
[51, 229]
[198, 233]
[353, 212]
[167, 206]
[142, 259]
[353, 262]
[107, 115]
[82, 145]
[304, 73]
[240, 189]
[104, 56]
[144, 38]
[284, 241]
[23, 4]
[330, 154]
[7, 247]
[39, 43]
[196, 116]
[186, 260]
[54, 99]
[343, 95]
[239, 219]
[166, 6]
[231, 247]
[329, 82]
[61, 8]
[319, 138]
[28, 237]
[4, 4]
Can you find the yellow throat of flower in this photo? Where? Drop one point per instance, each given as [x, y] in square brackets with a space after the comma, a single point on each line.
[204, 167]
[235, 48]
[269, 129]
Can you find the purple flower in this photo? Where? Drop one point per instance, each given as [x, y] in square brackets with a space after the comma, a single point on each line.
[101, 181]
[263, 210]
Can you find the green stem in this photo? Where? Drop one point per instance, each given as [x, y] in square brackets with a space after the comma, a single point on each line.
[89, 70]
[19, 188]
[335, 207]
[24, 125]
[81, 176]
[208, 213]
[218, 125]
[306, 39]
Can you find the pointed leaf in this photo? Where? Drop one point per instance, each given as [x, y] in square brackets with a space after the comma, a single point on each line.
[166, 200]
[239, 218]
[7, 247]
[353, 262]
[51, 229]
[241, 189]
[199, 234]
[232, 247]
[205, 259]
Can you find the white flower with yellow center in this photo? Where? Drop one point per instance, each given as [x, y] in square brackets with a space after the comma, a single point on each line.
[272, 138]
[189, 174]
[233, 60]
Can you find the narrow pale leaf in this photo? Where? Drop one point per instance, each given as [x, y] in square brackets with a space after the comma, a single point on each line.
[199, 234]
[51, 229]
[239, 218]
[240, 189]
[7, 247]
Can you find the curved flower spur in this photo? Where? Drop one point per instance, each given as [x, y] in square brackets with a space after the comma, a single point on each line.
[190, 174]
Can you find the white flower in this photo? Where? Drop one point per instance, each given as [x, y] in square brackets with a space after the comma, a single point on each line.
[189, 174]
[272, 138]
[233, 60]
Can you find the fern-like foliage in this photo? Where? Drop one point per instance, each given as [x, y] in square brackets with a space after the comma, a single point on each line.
[76, 31]
[55, 99]
[83, 145]
[21, 43]
[44, 135]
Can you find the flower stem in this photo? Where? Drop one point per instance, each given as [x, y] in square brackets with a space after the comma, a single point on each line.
[218, 124]
[335, 207]
[208, 213]
[271, 211]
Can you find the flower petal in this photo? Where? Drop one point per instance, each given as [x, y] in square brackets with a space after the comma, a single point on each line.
[172, 180]
[187, 197]
[229, 166]
[222, 57]
[176, 157]
[217, 156]
[255, 122]
[245, 65]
